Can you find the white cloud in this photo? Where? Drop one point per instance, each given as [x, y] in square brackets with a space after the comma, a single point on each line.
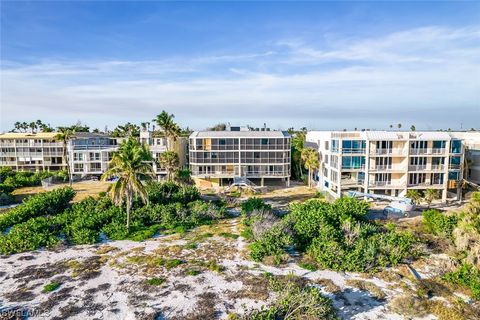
[430, 76]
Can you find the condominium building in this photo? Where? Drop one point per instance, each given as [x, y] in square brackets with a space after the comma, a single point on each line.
[216, 157]
[158, 144]
[90, 153]
[390, 163]
[31, 151]
[471, 141]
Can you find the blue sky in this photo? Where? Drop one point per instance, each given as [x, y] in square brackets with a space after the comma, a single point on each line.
[324, 65]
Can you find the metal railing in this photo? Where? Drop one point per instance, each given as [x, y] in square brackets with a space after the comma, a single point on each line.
[419, 167]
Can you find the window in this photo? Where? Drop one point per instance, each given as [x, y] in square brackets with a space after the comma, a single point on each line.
[416, 178]
[455, 160]
[456, 146]
[453, 175]
[439, 144]
[436, 178]
[222, 142]
[335, 145]
[384, 144]
[353, 146]
[418, 161]
[326, 145]
[264, 141]
[354, 162]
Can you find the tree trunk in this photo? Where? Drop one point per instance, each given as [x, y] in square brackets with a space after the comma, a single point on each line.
[309, 177]
[128, 212]
[69, 172]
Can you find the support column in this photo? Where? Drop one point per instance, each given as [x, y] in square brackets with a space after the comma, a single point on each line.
[288, 182]
[444, 194]
[262, 181]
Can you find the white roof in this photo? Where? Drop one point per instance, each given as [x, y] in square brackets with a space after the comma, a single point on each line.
[239, 134]
[385, 135]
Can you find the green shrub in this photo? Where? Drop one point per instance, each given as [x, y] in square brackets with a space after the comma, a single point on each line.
[170, 264]
[31, 235]
[156, 281]
[294, 300]
[272, 243]
[438, 223]
[51, 287]
[338, 237]
[308, 266]
[468, 276]
[248, 206]
[171, 192]
[46, 203]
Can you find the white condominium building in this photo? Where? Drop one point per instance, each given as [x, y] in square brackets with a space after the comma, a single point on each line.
[90, 153]
[31, 151]
[387, 162]
[216, 157]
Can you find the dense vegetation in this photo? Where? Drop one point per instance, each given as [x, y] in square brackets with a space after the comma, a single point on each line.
[463, 233]
[295, 299]
[11, 180]
[336, 235]
[46, 219]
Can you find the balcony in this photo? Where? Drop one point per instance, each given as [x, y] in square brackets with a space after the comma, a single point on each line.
[353, 150]
[385, 184]
[393, 151]
[439, 151]
[420, 167]
[387, 168]
[454, 166]
[415, 151]
[361, 167]
[438, 167]
[351, 182]
[425, 184]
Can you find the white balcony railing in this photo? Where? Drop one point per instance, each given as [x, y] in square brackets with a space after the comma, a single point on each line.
[420, 167]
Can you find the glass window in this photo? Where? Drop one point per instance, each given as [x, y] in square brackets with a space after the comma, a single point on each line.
[456, 146]
[455, 160]
[439, 144]
[452, 175]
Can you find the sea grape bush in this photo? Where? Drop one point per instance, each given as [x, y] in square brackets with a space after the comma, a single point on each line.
[46, 203]
[467, 275]
[171, 192]
[337, 236]
[47, 219]
[248, 206]
[438, 223]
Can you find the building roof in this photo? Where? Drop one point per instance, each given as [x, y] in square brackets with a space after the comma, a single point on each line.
[383, 135]
[28, 135]
[240, 134]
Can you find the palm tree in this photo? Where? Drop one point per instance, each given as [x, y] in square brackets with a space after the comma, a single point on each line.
[430, 195]
[399, 126]
[33, 126]
[412, 128]
[64, 135]
[414, 195]
[310, 161]
[17, 126]
[169, 160]
[129, 164]
[169, 127]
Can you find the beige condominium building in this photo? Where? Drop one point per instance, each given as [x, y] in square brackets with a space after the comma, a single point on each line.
[217, 157]
[158, 144]
[389, 163]
[31, 151]
[88, 153]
